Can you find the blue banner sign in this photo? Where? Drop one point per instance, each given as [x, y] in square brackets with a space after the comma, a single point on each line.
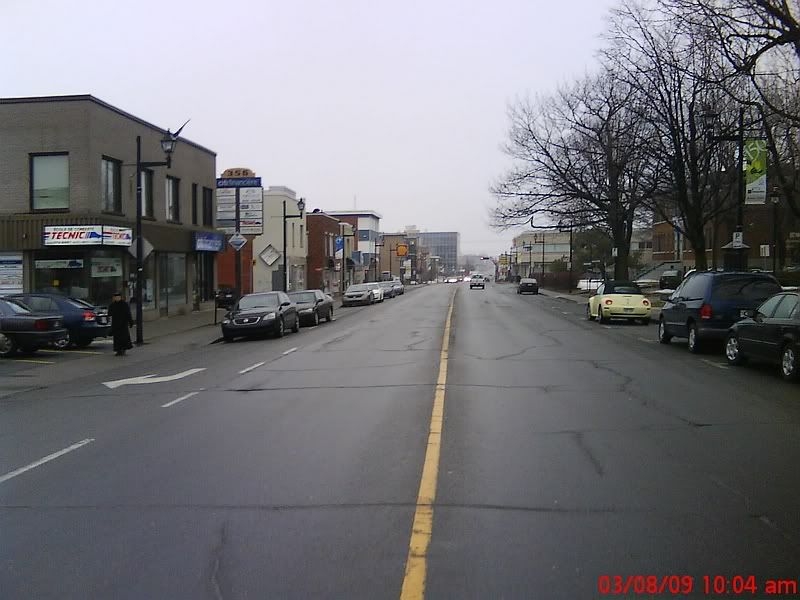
[234, 182]
[205, 241]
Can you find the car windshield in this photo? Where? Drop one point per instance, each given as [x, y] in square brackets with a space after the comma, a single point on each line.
[16, 306]
[303, 297]
[386, 284]
[750, 289]
[623, 288]
[361, 287]
[259, 301]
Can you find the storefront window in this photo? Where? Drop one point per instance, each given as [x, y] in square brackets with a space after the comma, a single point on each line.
[93, 276]
[148, 284]
[205, 275]
[172, 281]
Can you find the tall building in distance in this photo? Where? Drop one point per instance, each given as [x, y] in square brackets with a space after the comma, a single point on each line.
[444, 244]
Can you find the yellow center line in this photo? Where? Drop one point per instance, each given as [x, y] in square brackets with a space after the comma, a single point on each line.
[422, 528]
[31, 360]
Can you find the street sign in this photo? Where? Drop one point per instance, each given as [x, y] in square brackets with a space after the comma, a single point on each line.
[615, 252]
[738, 237]
[147, 247]
[237, 241]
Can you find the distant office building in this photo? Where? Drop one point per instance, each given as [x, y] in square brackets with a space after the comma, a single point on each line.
[445, 245]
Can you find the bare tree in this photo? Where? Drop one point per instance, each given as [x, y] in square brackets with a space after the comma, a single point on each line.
[578, 161]
[674, 75]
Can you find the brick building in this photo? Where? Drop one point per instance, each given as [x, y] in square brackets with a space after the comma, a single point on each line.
[323, 230]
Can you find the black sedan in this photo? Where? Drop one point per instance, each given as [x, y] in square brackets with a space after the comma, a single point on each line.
[261, 314]
[312, 306]
[528, 285]
[771, 333]
[84, 322]
[22, 329]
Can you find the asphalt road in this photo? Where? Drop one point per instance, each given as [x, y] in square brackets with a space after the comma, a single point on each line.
[569, 451]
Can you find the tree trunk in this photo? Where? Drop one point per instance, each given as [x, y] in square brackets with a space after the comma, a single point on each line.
[697, 239]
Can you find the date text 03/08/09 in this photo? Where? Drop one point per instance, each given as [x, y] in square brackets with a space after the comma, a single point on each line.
[711, 585]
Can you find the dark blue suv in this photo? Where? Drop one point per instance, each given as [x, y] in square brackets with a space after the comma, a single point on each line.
[707, 304]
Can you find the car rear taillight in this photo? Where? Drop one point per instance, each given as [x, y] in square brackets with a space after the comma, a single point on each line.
[40, 325]
[706, 312]
[89, 315]
[646, 302]
[608, 301]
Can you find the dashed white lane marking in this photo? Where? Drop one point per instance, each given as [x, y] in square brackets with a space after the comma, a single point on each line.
[607, 326]
[713, 364]
[44, 460]
[251, 367]
[646, 340]
[181, 399]
[564, 312]
[289, 351]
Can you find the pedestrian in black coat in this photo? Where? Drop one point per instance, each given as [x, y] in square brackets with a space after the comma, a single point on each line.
[121, 320]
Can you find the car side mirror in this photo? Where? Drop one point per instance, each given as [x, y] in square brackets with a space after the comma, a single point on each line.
[285, 304]
[320, 300]
[757, 316]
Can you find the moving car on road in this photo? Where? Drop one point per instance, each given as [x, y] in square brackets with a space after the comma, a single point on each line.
[22, 329]
[528, 285]
[312, 306]
[477, 281]
[618, 300]
[83, 321]
[362, 293]
[261, 314]
[707, 304]
[770, 333]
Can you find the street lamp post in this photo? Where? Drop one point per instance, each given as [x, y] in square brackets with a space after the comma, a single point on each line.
[561, 227]
[301, 205]
[709, 125]
[344, 235]
[775, 196]
[168, 143]
[379, 245]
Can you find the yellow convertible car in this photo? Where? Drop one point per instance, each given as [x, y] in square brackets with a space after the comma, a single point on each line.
[618, 300]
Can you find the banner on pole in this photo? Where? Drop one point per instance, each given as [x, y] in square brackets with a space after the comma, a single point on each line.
[755, 156]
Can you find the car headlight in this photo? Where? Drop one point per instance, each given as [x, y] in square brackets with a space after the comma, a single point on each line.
[306, 311]
[268, 316]
[226, 321]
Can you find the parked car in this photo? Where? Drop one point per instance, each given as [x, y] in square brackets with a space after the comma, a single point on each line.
[771, 333]
[477, 281]
[452, 280]
[707, 304]
[618, 300]
[362, 293]
[26, 330]
[528, 285]
[388, 289]
[399, 288]
[312, 306]
[84, 322]
[226, 297]
[260, 314]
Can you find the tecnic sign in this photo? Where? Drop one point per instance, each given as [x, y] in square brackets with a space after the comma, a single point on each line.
[87, 235]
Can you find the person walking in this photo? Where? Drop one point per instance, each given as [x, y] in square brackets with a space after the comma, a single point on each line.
[121, 320]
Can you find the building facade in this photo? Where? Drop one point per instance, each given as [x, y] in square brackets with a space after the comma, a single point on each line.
[268, 247]
[444, 244]
[68, 205]
[535, 252]
[323, 230]
[367, 224]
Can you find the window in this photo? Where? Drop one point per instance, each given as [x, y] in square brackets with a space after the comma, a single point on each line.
[208, 207]
[147, 193]
[173, 199]
[694, 288]
[110, 188]
[301, 236]
[744, 287]
[194, 204]
[293, 240]
[49, 181]
[786, 308]
[768, 308]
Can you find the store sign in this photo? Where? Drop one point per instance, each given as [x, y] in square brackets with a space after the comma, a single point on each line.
[240, 182]
[65, 263]
[117, 236]
[251, 206]
[402, 250]
[755, 154]
[87, 235]
[106, 267]
[208, 242]
[10, 274]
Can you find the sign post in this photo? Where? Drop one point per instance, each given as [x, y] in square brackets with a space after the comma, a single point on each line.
[232, 187]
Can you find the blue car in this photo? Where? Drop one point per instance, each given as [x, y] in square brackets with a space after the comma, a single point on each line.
[83, 321]
[707, 304]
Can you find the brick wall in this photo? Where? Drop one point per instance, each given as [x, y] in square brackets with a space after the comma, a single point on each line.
[320, 228]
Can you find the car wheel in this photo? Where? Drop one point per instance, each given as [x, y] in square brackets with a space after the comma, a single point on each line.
[789, 368]
[61, 344]
[329, 318]
[589, 316]
[601, 317]
[694, 340]
[732, 351]
[296, 326]
[281, 330]
[7, 346]
[663, 336]
[316, 318]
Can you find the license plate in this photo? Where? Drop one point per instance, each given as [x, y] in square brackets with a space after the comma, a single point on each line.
[102, 320]
[628, 310]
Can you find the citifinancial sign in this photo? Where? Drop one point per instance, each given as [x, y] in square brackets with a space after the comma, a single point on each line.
[87, 235]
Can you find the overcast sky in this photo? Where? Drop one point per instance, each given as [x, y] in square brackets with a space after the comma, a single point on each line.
[398, 107]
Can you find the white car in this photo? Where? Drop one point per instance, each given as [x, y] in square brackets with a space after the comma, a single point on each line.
[362, 293]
